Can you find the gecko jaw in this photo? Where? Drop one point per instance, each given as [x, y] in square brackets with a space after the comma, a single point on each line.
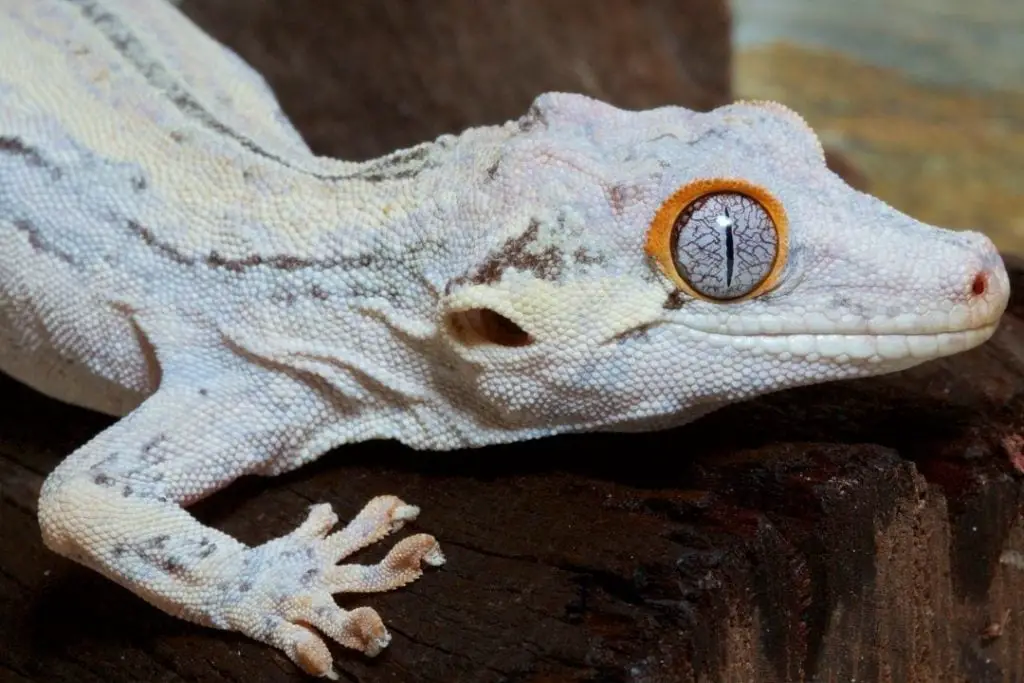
[861, 348]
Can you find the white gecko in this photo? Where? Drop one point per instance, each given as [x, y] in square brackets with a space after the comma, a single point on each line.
[172, 253]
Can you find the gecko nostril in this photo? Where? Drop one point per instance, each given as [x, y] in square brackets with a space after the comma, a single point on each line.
[980, 284]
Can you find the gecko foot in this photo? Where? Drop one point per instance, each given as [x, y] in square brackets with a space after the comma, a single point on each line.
[284, 594]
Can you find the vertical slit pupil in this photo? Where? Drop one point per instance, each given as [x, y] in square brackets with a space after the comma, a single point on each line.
[729, 251]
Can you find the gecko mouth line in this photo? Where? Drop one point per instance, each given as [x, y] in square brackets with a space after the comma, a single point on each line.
[883, 346]
[848, 335]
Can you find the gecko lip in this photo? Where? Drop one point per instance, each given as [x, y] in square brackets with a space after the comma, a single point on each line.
[861, 346]
[958, 318]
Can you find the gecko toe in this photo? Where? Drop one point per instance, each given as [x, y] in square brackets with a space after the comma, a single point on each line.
[319, 522]
[402, 565]
[381, 516]
[360, 629]
[305, 648]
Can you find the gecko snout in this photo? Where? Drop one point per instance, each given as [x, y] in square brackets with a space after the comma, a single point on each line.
[987, 285]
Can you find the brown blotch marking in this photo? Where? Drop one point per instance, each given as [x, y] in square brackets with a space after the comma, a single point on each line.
[173, 566]
[245, 586]
[204, 392]
[492, 170]
[139, 183]
[103, 480]
[36, 242]
[533, 118]
[158, 542]
[675, 300]
[150, 455]
[317, 292]
[583, 256]
[30, 231]
[308, 576]
[177, 136]
[154, 442]
[206, 548]
[620, 198]
[127, 491]
[119, 550]
[546, 265]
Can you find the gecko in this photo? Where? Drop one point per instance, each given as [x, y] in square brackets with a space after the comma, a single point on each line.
[174, 255]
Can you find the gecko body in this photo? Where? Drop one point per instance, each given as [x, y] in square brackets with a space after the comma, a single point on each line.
[173, 254]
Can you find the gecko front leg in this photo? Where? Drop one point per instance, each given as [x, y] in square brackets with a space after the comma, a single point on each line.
[116, 505]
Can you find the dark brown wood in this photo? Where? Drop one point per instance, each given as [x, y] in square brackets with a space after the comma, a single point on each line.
[362, 77]
[849, 531]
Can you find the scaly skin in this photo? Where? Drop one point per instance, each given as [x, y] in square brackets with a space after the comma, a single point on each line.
[171, 252]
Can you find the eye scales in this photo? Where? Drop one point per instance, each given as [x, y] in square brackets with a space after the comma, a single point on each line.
[174, 255]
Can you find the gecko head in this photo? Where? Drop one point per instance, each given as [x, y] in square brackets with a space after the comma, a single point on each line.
[642, 268]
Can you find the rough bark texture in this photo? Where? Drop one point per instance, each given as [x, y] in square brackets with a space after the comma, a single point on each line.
[864, 530]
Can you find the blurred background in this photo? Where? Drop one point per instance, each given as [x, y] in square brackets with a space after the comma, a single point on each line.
[924, 98]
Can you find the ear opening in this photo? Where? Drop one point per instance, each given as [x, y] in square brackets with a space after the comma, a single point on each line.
[476, 326]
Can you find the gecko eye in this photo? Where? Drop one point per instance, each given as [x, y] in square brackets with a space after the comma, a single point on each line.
[722, 240]
[724, 245]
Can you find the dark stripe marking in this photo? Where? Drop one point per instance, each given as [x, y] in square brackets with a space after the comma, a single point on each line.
[398, 165]
[18, 147]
